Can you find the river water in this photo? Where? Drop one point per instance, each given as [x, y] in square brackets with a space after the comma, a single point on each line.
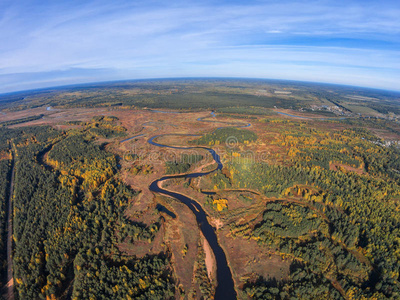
[225, 289]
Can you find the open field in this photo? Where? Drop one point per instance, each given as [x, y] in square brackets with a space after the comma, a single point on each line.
[362, 109]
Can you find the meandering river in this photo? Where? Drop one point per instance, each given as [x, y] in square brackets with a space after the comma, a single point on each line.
[225, 288]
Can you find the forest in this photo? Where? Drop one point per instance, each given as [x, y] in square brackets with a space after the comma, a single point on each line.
[102, 126]
[182, 164]
[337, 225]
[22, 120]
[5, 176]
[5, 165]
[69, 218]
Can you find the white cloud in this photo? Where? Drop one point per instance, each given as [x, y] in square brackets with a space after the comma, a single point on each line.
[153, 38]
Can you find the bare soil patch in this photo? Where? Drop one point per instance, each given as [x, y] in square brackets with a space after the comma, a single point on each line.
[338, 167]
[210, 260]
[247, 259]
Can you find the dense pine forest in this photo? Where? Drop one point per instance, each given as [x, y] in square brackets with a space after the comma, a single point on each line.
[182, 164]
[5, 177]
[69, 216]
[340, 228]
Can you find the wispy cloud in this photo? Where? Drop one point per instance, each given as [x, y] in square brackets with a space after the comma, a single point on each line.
[309, 40]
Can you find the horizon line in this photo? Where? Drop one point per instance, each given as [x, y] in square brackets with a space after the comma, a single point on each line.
[105, 82]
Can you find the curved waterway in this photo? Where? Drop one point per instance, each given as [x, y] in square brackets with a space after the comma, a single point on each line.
[225, 288]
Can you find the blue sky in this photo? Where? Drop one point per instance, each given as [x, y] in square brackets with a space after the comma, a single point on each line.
[49, 43]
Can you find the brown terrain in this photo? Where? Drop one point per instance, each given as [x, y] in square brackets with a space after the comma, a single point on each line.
[179, 233]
